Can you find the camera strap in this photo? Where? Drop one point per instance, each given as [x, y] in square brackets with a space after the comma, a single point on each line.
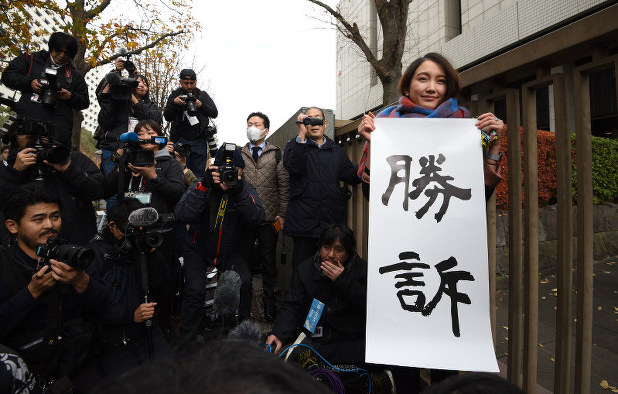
[218, 222]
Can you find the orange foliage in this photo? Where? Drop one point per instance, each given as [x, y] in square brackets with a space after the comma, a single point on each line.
[546, 159]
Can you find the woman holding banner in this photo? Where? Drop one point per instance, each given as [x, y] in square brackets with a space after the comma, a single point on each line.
[428, 89]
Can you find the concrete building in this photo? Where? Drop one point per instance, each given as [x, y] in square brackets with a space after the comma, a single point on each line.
[495, 44]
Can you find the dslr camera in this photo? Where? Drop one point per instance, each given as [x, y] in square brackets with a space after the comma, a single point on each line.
[228, 171]
[75, 256]
[128, 64]
[49, 87]
[190, 98]
[313, 121]
[183, 149]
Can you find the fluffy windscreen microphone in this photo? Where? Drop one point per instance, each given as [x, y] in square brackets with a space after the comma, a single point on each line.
[143, 217]
[113, 78]
[227, 294]
[247, 331]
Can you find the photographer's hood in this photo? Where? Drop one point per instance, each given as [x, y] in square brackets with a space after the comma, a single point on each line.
[238, 160]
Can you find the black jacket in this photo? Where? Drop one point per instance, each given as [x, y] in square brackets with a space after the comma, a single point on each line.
[77, 187]
[315, 198]
[180, 126]
[114, 118]
[119, 272]
[166, 189]
[196, 207]
[24, 318]
[345, 300]
[29, 66]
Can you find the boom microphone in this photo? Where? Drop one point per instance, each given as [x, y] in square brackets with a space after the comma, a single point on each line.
[227, 294]
[113, 78]
[144, 217]
[129, 136]
[247, 331]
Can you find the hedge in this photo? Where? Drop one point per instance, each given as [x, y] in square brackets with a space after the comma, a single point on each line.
[604, 169]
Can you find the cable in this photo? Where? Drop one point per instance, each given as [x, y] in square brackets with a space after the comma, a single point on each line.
[364, 371]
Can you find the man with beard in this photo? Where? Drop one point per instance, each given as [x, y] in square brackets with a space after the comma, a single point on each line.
[38, 301]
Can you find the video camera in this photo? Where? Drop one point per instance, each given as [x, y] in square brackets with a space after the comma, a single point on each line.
[58, 249]
[120, 88]
[146, 228]
[228, 171]
[190, 98]
[312, 121]
[50, 85]
[133, 153]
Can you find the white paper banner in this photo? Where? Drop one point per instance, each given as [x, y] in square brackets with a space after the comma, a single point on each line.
[428, 289]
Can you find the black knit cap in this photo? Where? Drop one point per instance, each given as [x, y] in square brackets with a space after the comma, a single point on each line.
[189, 74]
[238, 160]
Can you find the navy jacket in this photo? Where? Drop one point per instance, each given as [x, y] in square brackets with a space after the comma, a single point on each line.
[196, 206]
[29, 66]
[77, 187]
[315, 198]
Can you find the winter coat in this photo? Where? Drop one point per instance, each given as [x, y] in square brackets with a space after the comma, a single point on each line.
[269, 178]
[180, 126]
[166, 189]
[77, 187]
[114, 118]
[315, 197]
[199, 205]
[345, 300]
[26, 67]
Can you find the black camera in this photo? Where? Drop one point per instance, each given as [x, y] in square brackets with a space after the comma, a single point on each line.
[313, 121]
[75, 256]
[190, 98]
[182, 149]
[120, 88]
[52, 153]
[228, 171]
[128, 64]
[49, 87]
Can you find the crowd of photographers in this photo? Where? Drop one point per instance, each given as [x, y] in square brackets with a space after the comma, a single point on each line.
[79, 302]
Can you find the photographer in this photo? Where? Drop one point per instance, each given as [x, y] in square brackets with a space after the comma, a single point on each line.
[121, 325]
[41, 300]
[215, 233]
[159, 185]
[188, 108]
[124, 102]
[51, 88]
[69, 176]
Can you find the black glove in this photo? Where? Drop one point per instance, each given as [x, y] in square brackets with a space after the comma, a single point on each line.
[233, 191]
[207, 180]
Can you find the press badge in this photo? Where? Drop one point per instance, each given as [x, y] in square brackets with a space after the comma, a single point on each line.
[143, 197]
[315, 312]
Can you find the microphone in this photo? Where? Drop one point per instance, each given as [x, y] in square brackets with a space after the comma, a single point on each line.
[247, 331]
[129, 136]
[144, 217]
[227, 294]
[113, 78]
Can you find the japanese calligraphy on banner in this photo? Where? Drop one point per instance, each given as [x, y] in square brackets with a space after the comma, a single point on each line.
[428, 285]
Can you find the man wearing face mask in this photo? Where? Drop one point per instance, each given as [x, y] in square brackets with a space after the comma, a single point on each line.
[265, 171]
[188, 109]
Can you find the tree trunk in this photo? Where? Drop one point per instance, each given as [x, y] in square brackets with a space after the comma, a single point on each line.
[390, 93]
[76, 135]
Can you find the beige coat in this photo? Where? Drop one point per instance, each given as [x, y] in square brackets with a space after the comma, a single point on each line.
[269, 179]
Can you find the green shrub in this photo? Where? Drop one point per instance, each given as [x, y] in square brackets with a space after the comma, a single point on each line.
[604, 169]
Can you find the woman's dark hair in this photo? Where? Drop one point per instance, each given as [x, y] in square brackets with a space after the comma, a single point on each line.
[453, 81]
[25, 196]
[143, 78]
[341, 232]
[151, 123]
[59, 40]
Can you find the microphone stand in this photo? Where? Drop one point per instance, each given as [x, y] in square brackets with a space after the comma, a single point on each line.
[143, 264]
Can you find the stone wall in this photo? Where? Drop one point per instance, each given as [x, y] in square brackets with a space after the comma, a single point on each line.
[605, 225]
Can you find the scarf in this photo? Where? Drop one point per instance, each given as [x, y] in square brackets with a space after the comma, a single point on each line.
[407, 109]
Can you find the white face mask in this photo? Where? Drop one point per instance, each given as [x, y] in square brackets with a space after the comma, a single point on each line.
[254, 134]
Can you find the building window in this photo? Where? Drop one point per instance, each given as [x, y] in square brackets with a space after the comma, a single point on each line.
[542, 108]
[603, 112]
